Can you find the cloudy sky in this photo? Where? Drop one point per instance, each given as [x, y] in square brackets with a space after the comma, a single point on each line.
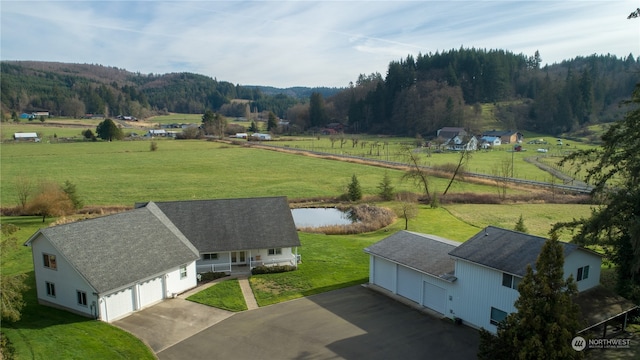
[304, 43]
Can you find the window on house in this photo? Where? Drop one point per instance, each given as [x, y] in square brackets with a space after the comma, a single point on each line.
[50, 261]
[183, 272]
[82, 297]
[51, 289]
[583, 273]
[497, 316]
[277, 251]
[212, 256]
[510, 281]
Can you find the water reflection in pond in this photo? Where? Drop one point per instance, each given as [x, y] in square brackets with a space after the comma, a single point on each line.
[316, 217]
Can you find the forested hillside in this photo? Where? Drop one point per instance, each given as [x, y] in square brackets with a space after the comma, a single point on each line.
[78, 89]
[416, 95]
[420, 95]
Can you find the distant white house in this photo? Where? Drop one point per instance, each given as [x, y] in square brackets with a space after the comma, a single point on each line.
[156, 132]
[26, 136]
[242, 135]
[476, 282]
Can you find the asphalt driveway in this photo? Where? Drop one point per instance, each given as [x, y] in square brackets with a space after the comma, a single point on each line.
[351, 323]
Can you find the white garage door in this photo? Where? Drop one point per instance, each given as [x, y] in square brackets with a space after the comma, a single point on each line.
[151, 291]
[434, 297]
[384, 273]
[409, 283]
[119, 304]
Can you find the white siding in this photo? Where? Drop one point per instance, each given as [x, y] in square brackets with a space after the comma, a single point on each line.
[581, 258]
[409, 283]
[384, 274]
[175, 284]
[434, 297]
[478, 289]
[66, 279]
[150, 291]
[118, 304]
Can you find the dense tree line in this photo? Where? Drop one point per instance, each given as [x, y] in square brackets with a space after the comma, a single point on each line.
[420, 95]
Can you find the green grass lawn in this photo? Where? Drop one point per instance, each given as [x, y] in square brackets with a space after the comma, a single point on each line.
[125, 172]
[538, 218]
[225, 295]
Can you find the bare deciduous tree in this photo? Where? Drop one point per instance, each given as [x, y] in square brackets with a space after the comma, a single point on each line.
[51, 200]
[502, 175]
[408, 209]
[417, 172]
[24, 188]
[465, 156]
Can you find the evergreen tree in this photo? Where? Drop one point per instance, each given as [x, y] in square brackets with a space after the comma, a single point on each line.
[614, 169]
[317, 113]
[108, 130]
[272, 123]
[69, 188]
[386, 190]
[354, 192]
[520, 225]
[546, 319]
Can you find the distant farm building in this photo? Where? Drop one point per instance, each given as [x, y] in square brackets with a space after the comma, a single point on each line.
[30, 136]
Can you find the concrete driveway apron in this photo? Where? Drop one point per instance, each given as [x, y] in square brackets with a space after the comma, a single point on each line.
[170, 322]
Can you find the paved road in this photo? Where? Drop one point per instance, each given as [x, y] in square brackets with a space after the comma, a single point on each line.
[351, 323]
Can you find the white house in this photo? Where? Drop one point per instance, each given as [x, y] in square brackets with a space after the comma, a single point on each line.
[108, 267]
[475, 282]
[156, 132]
[219, 230]
[111, 266]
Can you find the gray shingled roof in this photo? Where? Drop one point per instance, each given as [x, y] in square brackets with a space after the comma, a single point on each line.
[117, 250]
[426, 253]
[505, 250]
[234, 224]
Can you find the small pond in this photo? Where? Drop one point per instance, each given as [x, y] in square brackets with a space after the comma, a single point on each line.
[316, 217]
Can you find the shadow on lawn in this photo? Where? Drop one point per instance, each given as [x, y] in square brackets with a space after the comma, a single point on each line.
[335, 286]
[36, 316]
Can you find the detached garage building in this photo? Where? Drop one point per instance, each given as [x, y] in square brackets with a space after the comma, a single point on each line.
[415, 266]
[476, 282]
[108, 267]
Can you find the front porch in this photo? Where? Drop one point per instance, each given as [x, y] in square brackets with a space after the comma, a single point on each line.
[241, 262]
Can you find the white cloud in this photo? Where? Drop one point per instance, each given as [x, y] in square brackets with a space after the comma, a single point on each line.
[307, 43]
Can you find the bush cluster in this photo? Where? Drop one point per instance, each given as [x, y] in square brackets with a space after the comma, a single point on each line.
[272, 269]
[210, 276]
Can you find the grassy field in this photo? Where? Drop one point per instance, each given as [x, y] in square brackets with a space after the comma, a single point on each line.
[125, 172]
